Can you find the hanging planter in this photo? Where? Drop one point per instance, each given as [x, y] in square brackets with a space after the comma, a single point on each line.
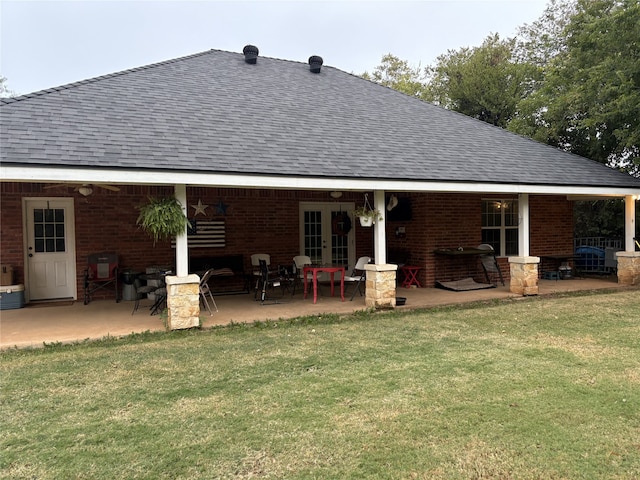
[162, 218]
[367, 215]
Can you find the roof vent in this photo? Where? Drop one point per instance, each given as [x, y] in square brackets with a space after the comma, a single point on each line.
[250, 54]
[315, 63]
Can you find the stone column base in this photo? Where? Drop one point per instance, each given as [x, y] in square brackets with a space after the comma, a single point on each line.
[524, 275]
[628, 268]
[183, 302]
[380, 291]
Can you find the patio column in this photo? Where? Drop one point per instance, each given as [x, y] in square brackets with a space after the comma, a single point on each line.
[629, 260]
[380, 291]
[523, 228]
[183, 302]
[629, 222]
[183, 290]
[379, 233]
[524, 275]
[182, 247]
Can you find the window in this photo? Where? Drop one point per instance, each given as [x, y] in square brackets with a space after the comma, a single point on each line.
[500, 225]
[48, 228]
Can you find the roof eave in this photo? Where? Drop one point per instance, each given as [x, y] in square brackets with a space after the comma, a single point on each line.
[120, 176]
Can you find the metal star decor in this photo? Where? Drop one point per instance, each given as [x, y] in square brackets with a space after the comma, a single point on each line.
[200, 208]
[221, 208]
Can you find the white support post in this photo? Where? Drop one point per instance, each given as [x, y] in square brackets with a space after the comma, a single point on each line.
[182, 247]
[379, 230]
[629, 222]
[524, 226]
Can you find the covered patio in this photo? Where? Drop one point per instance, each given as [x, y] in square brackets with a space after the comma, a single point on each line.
[66, 322]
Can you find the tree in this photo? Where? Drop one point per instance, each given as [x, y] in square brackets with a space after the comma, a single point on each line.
[484, 82]
[399, 75]
[4, 91]
[589, 100]
[543, 40]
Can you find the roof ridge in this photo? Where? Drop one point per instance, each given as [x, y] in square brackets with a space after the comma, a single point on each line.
[67, 86]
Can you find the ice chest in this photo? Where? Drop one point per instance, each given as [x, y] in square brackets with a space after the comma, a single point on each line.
[11, 296]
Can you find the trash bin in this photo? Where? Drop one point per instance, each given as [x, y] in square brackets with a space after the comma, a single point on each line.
[128, 285]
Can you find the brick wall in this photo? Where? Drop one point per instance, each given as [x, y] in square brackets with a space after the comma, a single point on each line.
[454, 220]
[551, 225]
[268, 221]
[256, 221]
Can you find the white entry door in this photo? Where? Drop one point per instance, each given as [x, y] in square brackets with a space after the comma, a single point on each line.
[325, 234]
[50, 267]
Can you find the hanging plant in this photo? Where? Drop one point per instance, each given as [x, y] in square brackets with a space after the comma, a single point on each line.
[366, 214]
[162, 218]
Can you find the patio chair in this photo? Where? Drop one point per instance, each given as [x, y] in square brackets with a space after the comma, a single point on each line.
[490, 263]
[266, 283]
[255, 268]
[358, 275]
[206, 291]
[101, 273]
[299, 262]
[142, 290]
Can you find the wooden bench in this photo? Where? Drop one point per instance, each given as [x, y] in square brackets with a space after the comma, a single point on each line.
[228, 278]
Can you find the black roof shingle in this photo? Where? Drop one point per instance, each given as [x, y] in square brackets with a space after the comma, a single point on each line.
[212, 112]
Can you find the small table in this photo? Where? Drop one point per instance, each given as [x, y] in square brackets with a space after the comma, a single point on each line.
[331, 270]
[409, 273]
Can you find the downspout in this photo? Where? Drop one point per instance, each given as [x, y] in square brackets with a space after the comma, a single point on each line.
[182, 247]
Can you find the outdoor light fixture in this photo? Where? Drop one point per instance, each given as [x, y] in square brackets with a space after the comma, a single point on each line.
[85, 190]
[336, 194]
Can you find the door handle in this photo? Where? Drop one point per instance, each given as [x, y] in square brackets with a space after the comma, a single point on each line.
[31, 255]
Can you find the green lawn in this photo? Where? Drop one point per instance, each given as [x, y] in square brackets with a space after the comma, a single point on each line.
[544, 388]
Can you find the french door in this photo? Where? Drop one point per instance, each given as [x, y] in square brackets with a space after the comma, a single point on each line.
[50, 248]
[327, 233]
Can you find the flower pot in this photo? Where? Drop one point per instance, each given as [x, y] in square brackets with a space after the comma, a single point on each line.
[366, 221]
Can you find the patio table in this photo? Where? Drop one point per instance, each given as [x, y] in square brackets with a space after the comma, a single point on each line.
[314, 269]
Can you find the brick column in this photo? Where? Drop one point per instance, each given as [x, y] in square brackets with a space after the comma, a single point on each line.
[183, 302]
[524, 275]
[380, 289]
[628, 268]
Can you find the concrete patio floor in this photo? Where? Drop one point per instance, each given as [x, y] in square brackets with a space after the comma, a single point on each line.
[36, 325]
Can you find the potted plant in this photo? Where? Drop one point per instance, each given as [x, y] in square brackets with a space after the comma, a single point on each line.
[367, 215]
[162, 218]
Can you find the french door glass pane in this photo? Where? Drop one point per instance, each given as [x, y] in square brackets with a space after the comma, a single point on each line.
[339, 245]
[313, 235]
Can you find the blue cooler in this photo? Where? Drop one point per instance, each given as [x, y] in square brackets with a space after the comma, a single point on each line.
[11, 296]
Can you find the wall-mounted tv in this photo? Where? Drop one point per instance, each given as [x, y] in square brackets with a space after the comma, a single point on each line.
[402, 211]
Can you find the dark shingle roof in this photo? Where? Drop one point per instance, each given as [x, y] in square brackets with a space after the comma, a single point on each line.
[212, 112]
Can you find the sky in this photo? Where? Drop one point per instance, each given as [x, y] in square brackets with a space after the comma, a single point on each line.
[50, 43]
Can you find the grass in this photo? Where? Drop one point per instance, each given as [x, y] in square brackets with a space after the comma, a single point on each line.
[544, 388]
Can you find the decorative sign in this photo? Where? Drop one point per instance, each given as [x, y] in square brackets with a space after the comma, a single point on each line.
[205, 234]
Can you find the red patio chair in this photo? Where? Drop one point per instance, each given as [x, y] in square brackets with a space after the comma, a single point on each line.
[101, 273]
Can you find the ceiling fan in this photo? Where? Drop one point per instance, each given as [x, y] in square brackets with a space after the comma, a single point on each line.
[84, 189]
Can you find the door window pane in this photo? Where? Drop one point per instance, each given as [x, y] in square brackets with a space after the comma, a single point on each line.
[48, 230]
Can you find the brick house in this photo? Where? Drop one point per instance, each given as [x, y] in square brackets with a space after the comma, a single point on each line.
[274, 153]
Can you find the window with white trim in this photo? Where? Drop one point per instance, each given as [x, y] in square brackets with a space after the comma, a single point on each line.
[500, 225]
